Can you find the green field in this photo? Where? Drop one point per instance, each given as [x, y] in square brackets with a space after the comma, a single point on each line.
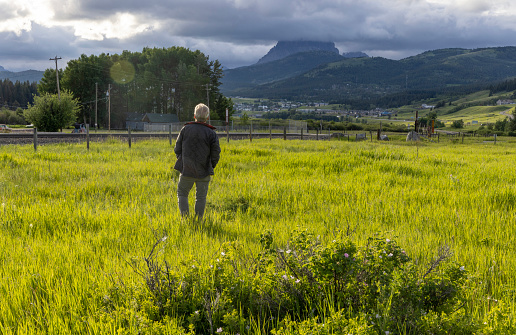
[76, 226]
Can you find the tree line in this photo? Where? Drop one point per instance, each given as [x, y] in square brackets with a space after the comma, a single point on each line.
[157, 80]
[14, 95]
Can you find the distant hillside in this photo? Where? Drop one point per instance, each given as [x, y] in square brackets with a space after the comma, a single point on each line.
[293, 65]
[366, 78]
[286, 48]
[23, 76]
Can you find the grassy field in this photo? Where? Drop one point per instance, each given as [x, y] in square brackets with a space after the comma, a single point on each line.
[72, 222]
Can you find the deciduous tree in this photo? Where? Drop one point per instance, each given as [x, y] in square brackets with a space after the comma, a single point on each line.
[49, 113]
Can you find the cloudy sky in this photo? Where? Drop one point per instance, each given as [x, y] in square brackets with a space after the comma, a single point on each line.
[239, 32]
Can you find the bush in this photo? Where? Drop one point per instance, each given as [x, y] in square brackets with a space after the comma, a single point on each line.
[48, 113]
[458, 124]
[305, 287]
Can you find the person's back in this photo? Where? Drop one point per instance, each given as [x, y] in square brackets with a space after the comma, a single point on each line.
[197, 150]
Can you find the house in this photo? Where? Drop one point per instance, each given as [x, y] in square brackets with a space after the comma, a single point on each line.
[160, 122]
[505, 102]
[152, 121]
[134, 121]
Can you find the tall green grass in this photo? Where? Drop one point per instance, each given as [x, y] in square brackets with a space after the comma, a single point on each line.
[72, 220]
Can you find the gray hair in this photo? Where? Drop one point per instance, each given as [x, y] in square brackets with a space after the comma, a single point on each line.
[202, 112]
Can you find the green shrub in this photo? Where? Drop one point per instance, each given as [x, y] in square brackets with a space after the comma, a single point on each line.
[305, 287]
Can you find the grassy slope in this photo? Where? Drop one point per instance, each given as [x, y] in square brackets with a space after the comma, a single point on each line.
[477, 112]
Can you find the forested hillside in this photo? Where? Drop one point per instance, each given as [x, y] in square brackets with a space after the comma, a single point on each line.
[17, 94]
[369, 79]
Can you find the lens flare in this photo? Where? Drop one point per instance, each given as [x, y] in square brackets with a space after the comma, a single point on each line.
[122, 72]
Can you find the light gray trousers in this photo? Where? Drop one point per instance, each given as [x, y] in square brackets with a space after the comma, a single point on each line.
[184, 186]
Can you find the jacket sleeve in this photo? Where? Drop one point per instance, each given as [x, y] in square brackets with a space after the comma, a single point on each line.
[215, 150]
[178, 150]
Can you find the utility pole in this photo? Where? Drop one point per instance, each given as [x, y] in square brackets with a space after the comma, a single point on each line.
[57, 77]
[109, 106]
[208, 100]
[96, 99]
[208, 94]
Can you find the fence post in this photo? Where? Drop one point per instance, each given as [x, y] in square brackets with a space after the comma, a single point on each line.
[495, 138]
[462, 137]
[317, 134]
[284, 133]
[129, 136]
[35, 139]
[270, 131]
[88, 136]
[301, 134]
[170, 134]
[251, 132]
[438, 137]
[227, 132]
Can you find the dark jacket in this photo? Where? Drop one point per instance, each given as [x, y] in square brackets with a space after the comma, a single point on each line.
[197, 150]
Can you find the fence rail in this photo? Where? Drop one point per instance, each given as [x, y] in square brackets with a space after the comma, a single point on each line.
[38, 138]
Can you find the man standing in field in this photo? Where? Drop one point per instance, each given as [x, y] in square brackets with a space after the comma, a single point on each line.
[198, 151]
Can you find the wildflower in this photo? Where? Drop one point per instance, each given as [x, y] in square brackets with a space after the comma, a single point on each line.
[219, 330]
[377, 316]
[402, 251]
[289, 251]
[30, 226]
[346, 255]
[387, 332]
[297, 281]
[389, 255]
[197, 312]
[193, 266]
[462, 268]
[387, 240]
[380, 256]
[164, 238]
[284, 277]
[223, 254]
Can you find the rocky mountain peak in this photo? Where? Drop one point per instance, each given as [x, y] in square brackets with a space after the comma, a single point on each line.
[286, 48]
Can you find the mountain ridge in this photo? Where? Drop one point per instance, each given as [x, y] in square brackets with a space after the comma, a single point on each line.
[21, 76]
[368, 77]
[284, 49]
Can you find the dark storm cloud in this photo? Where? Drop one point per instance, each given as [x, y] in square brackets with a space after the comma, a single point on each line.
[239, 32]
